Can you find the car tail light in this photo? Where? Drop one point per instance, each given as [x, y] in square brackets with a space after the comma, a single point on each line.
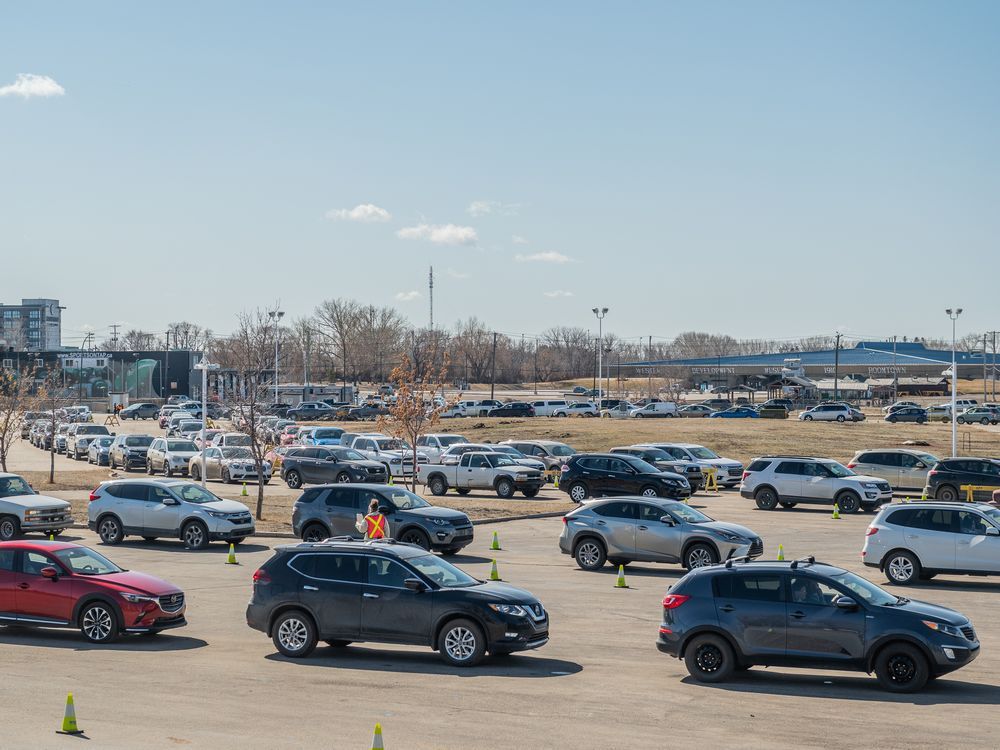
[564, 468]
[672, 601]
[932, 472]
[851, 465]
[664, 630]
[93, 494]
[565, 520]
[871, 531]
[260, 576]
[745, 475]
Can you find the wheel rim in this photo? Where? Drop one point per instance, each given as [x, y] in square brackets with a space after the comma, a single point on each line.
[948, 495]
[314, 535]
[578, 492]
[848, 504]
[589, 554]
[901, 568]
[109, 530]
[293, 480]
[343, 478]
[699, 557]
[193, 535]
[767, 499]
[649, 492]
[415, 537]
[709, 658]
[438, 487]
[293, 634]
[97, 623]
[902, 669]
[505, 488]
[6, 529]
[460, 643]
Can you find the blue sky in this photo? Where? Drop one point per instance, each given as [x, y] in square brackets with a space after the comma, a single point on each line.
[769, 169]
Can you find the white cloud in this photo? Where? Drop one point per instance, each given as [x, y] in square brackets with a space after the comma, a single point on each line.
[28, 84]
[456, 274]
[440, 234]
[547, 257]
[558, 293]
[518, 240]
[365, 212]
[408, 296]
[484, 208]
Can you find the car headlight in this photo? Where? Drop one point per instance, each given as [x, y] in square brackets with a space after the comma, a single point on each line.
[439, 522]
[869, 485]
[508, 609]
[395, 460]
[137, 598]
[943, 628]
[730, 537]
[218, 514]
[520, 477]
[356, 467]
[31, 512]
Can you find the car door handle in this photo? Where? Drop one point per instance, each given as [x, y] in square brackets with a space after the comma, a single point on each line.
[726, 608]
[23, 586]
[798, 614]
[643, 528]
[370, 596]
[602, 523]
[309, 588]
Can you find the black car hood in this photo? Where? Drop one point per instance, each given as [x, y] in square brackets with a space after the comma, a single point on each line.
[926, 610]
[494, 591]
[664, 475]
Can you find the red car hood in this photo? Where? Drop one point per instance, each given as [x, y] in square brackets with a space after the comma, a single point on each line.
[141, 583]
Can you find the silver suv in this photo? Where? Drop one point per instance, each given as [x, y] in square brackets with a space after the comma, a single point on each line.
[789, 480]
[153, 508]
[912, 542]
[170, 456]
[644, 529]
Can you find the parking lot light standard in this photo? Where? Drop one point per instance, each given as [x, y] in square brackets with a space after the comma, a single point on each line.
[953, 314]
[600, 313]
[204, 365]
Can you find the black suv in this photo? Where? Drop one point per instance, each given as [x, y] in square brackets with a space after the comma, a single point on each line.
[949, 476]
[726, 618]
[595, 474]
[512, 409]
[342, 591]
[320, 465]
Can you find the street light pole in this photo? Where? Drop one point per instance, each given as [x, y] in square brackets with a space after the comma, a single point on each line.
[276, 315]
[953, 314]
[600, 313]
[204, 365]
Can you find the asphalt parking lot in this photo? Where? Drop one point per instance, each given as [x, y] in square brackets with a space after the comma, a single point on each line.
[600, 682]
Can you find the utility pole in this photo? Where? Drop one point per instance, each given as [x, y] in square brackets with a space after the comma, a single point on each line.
[536, 367]
[430, 294]
[649, 368]
[895, 373]
[114, 336]
[836, 369]
[305, 357]
[984, 369]
[993, 369]
[493, 367]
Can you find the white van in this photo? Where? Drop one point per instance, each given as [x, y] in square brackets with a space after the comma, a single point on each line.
[548, 407]
[655, 409]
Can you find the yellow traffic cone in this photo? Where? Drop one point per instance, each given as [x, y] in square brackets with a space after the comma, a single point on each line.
[923, 495]
[69, 718]
[390, 479]
[244, 492]
[495, 544]
[377, 738]
[620, 583]
[494, 574]
[52, 537]
[836, 512]
[231, 557]
[781, 552]
[555, 482]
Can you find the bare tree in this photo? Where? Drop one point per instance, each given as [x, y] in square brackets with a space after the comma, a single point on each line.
[51, 396]
[338, 318]
[185, 335]
[16, 399]
[249, 356]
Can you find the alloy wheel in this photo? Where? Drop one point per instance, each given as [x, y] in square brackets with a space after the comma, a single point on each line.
[589, 554]
[460, 643]
[293, 634]
[97, 623]
[900, 568]
[699, 557]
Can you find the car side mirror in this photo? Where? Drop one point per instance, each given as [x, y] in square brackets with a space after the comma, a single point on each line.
[50, 573]
[992, 531]
[331, 458]
[921, 465]
[845, 602]
[667, 520]
[171, 501]
[384, 510]
[415, 584]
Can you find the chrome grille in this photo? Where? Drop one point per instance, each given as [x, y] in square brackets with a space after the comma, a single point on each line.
[756, 547]
[172, 602]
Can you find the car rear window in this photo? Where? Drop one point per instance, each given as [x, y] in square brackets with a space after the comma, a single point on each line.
[758, 465]
[761, 588]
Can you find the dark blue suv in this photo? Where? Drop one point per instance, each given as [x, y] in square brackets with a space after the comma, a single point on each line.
[730, 617]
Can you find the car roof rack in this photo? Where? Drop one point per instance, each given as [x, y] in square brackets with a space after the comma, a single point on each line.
[811, 560]
[741, 558]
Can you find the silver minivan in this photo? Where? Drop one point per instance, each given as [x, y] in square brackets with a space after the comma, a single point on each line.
[911, 542]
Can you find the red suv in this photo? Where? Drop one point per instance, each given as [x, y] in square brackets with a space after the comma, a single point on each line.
[63, 585]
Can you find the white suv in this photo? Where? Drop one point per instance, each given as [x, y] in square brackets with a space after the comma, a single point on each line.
[789, 480]
[832, 413]
[728, 471]
[578, 409]
[434, 445]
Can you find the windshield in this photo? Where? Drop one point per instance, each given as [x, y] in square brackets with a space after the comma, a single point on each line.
[509, 450]
[641, 466]
[237, 439]
[704, 453]
[868, 591]
[993, 514]
[406, 500]
[655, 454]
[181, 445]
[192, 493]
[688, 514]
[86, 562]
[447, 440]
[138, 442]
[12, 486]
[444, 574]
[327, 433]
[188, 426]
[391, 444]
[561, 450]
[103, 442]
[236, 453]
[91, 430]
[501, 461]
[837, 470]
[927, 458]
[349, 455]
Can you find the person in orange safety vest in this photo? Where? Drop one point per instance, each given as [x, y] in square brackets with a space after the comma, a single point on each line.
[377, 525]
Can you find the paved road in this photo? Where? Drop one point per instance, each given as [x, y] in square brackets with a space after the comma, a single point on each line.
[600, 683]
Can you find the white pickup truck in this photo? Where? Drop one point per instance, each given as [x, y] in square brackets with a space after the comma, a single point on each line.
[482, 471]
[21, 510]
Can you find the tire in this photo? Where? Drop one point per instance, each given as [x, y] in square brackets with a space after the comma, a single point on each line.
[841, 418]
[901, 668]
[649, 492]
[111, 460]
[590, 554]
[195, 535]
[960, 420]
[787, 504]
[109, 528]
[149, 468]
[529, 493]
[921, 420]
[902, 568]
[226, 477]
[167, 471]
[463, 491]
[10, 528]
[417, 537]
[294, 634]
[343, 478]
[984, 421]
[766, 498]
[462, 643]
[699, 556]
[578, 492]
[946, 494]
[848, 502]
[709, 658]
[505, 488]
[314, 532]
[196, 473]
[807, 418]
[338, 644]
[293, 479]
[438, 485]
[891, 420]
[99, 623]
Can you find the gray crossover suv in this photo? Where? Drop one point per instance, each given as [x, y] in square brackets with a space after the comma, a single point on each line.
[646, 529]
[331, 510]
